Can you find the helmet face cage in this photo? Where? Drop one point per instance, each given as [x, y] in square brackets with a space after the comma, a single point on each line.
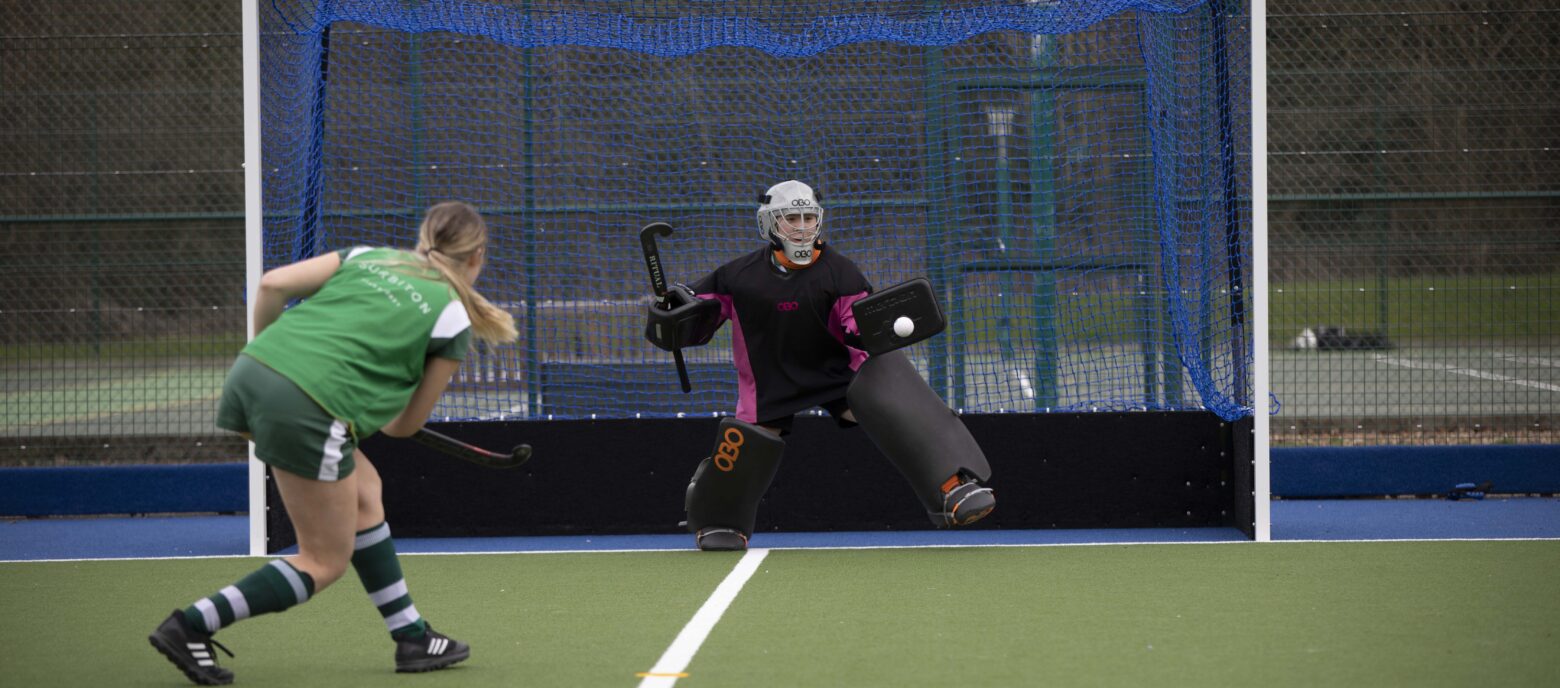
[796, 226]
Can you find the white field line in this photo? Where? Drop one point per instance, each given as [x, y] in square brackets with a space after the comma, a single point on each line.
[1530, 360]
[1470, 372]
[676, 658]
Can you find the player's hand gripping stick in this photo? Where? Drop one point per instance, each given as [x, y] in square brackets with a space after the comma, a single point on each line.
[658, 282]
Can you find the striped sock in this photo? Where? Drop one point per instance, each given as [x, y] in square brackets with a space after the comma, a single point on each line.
[273, 588]
[376, 564]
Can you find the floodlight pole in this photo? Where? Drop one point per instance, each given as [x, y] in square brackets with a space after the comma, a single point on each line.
[999, 119]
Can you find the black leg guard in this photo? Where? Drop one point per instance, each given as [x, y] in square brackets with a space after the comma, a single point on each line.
[923, 438]
[722, 500]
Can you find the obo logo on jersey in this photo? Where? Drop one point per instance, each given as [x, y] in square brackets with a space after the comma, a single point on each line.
[787, 306]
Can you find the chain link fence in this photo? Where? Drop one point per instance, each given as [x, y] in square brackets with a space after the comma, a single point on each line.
[1414, 221]
[1414, 225]
[121, 207]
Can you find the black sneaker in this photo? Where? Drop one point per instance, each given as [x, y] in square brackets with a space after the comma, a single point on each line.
[433, 650]
[714, 539]
[965, 503]
[190, 649]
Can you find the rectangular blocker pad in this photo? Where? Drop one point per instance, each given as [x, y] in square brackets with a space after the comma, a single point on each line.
[913, 299]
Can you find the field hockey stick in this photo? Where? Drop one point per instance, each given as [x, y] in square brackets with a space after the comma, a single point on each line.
[450, 446]
[658, 282]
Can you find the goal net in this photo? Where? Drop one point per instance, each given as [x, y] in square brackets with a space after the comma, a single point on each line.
[1072, 176]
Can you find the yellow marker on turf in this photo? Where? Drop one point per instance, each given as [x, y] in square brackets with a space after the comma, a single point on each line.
[651, 674]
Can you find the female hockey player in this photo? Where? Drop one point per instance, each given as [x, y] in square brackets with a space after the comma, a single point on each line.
[795, 346]
[370, 350]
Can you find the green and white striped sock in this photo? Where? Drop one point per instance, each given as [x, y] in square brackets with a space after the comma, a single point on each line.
[273, 588]
[377, 566]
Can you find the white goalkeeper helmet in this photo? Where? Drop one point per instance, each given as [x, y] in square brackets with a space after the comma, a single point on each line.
[791, 220]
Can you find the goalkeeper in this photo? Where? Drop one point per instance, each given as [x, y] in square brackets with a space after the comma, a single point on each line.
[371, 349]
[796, 346]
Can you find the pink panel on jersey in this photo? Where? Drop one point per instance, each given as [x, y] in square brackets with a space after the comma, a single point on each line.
[747, 390]
[843, 319]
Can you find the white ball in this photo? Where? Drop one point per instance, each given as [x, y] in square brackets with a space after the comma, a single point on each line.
[904, 326]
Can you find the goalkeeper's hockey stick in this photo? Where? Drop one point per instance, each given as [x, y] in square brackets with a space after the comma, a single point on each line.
[658, 282]
[445, 444]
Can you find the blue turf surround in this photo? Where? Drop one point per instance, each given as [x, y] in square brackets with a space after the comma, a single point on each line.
[123, 538]
[1369, 519]
[1412, 519]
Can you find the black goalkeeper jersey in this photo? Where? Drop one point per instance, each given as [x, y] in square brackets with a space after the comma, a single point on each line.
[788, 329]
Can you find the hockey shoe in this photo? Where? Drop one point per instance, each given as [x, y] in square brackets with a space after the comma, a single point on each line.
[964, 502]
[716, 539]
[190, 649]
[433, 650]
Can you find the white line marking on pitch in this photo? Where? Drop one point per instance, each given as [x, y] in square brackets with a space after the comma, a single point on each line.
[1530, 360]
[1470, 372]
[676, 658]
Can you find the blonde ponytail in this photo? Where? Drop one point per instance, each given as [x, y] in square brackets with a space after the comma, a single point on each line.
[451, 233]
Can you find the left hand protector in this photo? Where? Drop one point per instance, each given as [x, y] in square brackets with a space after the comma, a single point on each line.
[691, 321]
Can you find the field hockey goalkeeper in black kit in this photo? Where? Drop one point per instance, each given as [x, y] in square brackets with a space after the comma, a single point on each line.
[795, 345]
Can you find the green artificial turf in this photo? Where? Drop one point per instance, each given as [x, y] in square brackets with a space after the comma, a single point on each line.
[1286, 614]
[1241, 614]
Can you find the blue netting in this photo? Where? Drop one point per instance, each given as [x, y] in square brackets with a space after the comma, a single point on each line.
[1073, 176]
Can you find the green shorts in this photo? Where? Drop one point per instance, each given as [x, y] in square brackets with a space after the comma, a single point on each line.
[291, 431]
